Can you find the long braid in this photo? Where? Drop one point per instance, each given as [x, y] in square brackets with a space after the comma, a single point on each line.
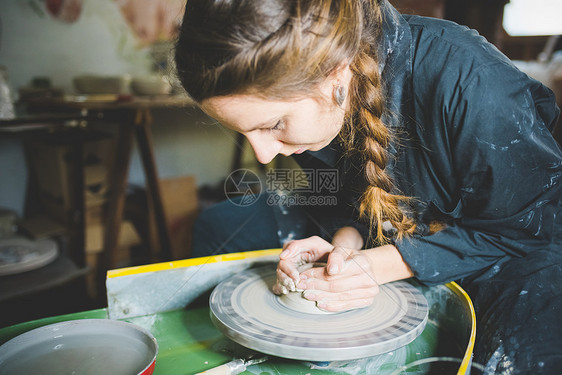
[378, 202]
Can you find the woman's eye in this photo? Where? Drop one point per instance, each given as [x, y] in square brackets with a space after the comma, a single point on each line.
[277, 126]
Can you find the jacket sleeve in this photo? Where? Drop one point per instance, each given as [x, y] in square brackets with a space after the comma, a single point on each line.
[507, 170]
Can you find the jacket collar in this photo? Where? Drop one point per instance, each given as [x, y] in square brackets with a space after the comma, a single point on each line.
[395, 56]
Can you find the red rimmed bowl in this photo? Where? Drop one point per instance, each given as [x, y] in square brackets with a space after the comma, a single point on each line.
[81, 347]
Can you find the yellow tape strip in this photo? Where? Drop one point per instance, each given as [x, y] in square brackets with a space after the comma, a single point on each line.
[190, 262]
[467, 358]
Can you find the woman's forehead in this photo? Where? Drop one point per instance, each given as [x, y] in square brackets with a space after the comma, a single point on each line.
[248, 111]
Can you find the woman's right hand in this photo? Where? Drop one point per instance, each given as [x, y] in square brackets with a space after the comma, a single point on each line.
[295, 255]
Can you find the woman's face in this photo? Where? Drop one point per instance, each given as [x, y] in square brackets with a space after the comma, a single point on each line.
[283, 127]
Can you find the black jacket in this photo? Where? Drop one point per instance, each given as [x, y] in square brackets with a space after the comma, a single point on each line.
[474, 148]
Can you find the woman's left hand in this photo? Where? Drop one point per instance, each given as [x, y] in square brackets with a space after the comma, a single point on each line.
[346, 282]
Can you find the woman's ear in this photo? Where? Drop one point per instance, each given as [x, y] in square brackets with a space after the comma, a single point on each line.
[340, 81]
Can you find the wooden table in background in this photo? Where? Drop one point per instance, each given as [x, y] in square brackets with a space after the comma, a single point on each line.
[133, 115]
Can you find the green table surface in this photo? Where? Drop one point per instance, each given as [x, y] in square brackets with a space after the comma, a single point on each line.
[189, 343]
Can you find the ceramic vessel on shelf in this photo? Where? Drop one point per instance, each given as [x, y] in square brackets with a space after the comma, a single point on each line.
[151, 85]
[102, 84]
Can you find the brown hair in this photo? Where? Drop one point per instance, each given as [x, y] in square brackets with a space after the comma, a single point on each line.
[282, 49]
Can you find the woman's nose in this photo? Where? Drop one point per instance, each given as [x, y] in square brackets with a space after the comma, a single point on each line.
[265, 146]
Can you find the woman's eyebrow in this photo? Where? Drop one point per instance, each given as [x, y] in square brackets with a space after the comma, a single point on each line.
[264, 124]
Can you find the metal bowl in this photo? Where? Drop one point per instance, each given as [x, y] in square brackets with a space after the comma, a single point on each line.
[81, 347]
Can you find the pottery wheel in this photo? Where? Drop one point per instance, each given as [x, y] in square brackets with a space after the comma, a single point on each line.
[245, 309]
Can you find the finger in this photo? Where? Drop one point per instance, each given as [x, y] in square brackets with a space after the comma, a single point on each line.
[288, 269]
[312, 273]
[314, 244]
[337, 285]
[336, 259]
[287, 244]
[285, 283]
[279, 288]
[357, 265]
[284, 286]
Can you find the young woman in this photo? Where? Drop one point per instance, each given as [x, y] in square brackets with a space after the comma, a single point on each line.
[447, 169]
